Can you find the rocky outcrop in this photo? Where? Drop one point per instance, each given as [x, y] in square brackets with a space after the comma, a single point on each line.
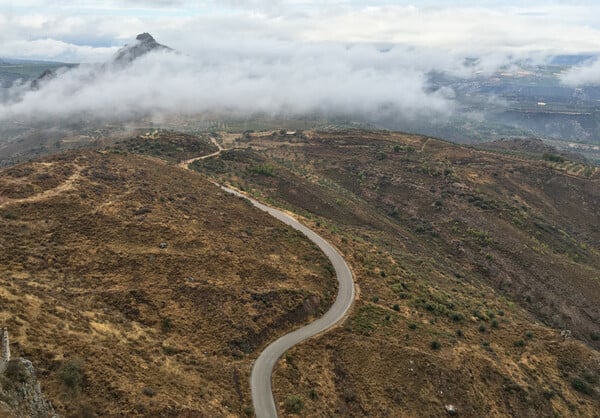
[144, 44]
[20, 392]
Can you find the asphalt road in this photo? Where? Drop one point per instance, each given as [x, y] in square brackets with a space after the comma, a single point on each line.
[260, 381]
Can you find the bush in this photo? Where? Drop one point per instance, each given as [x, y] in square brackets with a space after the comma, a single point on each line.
[149, 392]
[529, 335]
[519, 343]
[495, 324]
[293, 404]
[456, 316]
[412, 325]
[396, 307]
[459, 333]
[435, 345]
[482, 328]
[375, 299]
[16, 371]
[166, 325]
[581, 386]
[71, 374]
[313, 395]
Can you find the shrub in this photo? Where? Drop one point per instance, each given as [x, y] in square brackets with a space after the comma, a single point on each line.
[71, 374]
[459, 333]
[519, 343]
[456, 316]
[166, 325]
[482, 328]
[435, 345]
[495, 324]
[16, 371]
[313, 395]
[529, 335]
[293, 404]
[149, 392]
[581, 386]
[396, 307]
[263, 170]
[412, 326]
[375, 299]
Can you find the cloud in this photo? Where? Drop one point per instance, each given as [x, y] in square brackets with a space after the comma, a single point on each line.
[297, 79]
[588, 74]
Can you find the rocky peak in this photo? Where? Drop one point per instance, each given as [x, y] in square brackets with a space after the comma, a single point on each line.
[145, 37]
[144, 44]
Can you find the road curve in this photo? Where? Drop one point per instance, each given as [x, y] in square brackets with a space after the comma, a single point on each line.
[260, 381]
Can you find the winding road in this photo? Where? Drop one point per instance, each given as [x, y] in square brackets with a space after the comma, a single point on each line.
[262, 370]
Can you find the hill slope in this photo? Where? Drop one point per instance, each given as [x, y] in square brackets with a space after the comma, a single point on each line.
[470, 265]
[138, 288]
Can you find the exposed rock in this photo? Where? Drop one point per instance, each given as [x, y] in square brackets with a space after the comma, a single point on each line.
[163, 245]
[42, 79]
[20, 393]
[144, 44]
[451, 410]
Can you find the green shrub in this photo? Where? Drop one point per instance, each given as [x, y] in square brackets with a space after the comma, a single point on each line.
[482, 328]
[16, 371]
[263, 170]
[581, 386]
[412, 326]
[529, 335]
[166, 325]
[495, 324]
[459, 333]
[519, 343]
[71, 374]
[293, 404]
[456, 316]
[435, 345]
[396, 307]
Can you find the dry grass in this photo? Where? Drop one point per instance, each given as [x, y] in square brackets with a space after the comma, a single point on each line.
[154, 331]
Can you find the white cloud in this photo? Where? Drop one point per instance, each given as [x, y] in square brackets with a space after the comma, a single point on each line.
[588, 74]
[298, 82]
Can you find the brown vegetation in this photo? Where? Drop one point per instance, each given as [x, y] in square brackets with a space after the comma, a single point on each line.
[140, 289]
[469, 263]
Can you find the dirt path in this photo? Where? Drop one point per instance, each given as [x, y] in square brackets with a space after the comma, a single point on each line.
[46, 194]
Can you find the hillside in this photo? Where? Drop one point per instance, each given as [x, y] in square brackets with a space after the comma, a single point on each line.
[470, 265]
[138, 288]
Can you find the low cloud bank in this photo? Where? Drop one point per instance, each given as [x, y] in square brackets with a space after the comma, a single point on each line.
[280, 79]
[588, 74]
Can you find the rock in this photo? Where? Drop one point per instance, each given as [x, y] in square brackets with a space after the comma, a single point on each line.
[20, 392]
[451, 410]
[163, 245]
[144, 44]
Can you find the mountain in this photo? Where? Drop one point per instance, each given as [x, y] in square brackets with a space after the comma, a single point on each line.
[144, 44]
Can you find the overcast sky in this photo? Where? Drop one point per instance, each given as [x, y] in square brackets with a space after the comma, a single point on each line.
[88, 31]
[348, 56]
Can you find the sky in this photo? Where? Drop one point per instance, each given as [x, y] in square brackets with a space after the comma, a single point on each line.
[283, 56]
[89, 31]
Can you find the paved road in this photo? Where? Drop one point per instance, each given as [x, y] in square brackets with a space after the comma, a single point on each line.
[260, 381]
[262, 394]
